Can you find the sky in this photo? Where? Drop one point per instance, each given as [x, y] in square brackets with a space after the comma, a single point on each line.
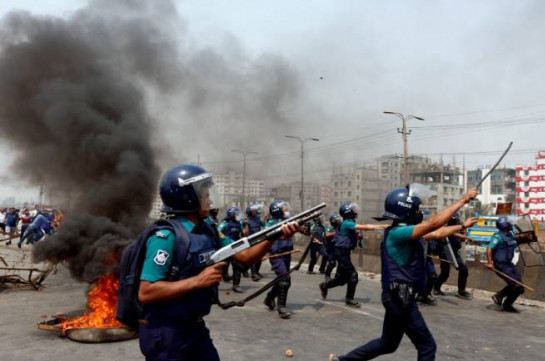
[257, 71]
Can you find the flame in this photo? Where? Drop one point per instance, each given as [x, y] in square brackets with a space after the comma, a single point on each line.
[101, 306]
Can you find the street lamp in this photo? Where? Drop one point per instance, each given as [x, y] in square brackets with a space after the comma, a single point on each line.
[302, 140]
[404, 133]
[244, 154]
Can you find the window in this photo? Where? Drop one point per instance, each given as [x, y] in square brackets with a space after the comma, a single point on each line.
[349, 193]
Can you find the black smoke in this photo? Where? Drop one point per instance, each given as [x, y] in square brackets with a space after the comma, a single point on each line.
[72, 110]
[94, 104]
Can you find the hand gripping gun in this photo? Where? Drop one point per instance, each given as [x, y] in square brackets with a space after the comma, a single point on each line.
[267, 234]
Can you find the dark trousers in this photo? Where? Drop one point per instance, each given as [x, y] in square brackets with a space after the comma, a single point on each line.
[317, 250]
[463, 272]
[346, 273]
[397, 322]
[183, 341]
[513, 289]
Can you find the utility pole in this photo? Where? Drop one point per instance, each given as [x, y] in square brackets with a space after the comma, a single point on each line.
[404, 134]
[302, 140]
[244, 154]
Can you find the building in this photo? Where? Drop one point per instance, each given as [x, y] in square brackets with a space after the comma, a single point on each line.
[312, 194]
[499, 187]
[155, 212]
[360, 185]
[530, 188]
[390, 169]
[444, 180]
[229, 187]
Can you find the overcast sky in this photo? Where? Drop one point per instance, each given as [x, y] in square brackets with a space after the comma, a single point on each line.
[473, 69]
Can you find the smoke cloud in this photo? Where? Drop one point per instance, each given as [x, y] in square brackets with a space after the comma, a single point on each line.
[94, 105]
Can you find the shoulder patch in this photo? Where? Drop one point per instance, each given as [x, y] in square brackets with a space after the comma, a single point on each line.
[161, 257]
[161, 234]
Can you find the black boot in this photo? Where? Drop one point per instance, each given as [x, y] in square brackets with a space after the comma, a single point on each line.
[269, 301]
[350, 292]
[236, 280]
[283, 311]
[323, 289]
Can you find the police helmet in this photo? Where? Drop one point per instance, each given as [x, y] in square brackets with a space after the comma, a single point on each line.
[186, 188]
[234, 214]
[401, 205]
[335, 220]
[503, 224]
[349, 210]
[254, 208]
[279, 209]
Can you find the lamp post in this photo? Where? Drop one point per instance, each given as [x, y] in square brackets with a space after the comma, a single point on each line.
[244, 154]
[302, 140]
[404, 134]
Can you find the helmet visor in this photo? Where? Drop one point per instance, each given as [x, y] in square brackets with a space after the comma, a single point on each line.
[208, 194]
[420, 191]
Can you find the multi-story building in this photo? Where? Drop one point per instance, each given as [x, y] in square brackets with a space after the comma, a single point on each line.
[311, 196]
[230, 188]
[360, 185]
[530, 188]
[390, 169]
[499, 187]
[444, 181]
[156, 207]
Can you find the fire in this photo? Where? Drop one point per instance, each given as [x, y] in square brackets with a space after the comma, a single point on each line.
[101, 306]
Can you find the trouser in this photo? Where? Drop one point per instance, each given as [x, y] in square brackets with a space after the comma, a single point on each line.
[23, 229]
[463, 272]
[431, 275]
[238, 268]
[32, 235]
[346, 273]
[280, 266]
[315, 252]
[255, 268]
[331, 262]
[398, 320]
[512, 290]
[183, 341]
[325, 261]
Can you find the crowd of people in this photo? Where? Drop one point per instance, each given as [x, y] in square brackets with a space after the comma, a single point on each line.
[174, 306]
[28, 224]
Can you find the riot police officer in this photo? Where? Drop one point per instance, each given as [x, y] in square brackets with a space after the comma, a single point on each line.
[500, 255]
[329, 244]
[317, 237]
[463, 272]
[278, 295]
[345, 242]
[403, 274]
[233, 228]
[175, 302]
[255, 224]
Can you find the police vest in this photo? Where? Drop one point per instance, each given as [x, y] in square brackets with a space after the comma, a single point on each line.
[233, 230]
[505, 251]
[413, 273]
[319, 232]
[345, 241]
[199, 302]
[254, 225]
[280, 245]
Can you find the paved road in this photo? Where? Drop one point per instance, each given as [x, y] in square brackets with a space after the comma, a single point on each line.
[464, 330]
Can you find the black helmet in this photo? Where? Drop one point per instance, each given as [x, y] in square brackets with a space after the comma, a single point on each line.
[184, 187]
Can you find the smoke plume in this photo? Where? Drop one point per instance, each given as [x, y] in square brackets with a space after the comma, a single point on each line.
[92, 104]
